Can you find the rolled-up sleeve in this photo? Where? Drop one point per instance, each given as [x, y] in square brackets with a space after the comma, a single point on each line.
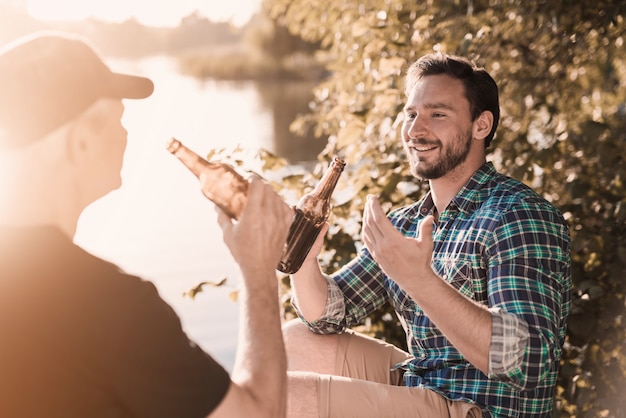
[509, 339]
[354, 291]
[529, 278]
[332, 319]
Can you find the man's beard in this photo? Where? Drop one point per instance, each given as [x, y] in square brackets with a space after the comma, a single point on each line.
[452, 157]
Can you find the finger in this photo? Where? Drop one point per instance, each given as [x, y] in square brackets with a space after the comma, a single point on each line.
[366, 233]
[377, 221]
[371, 233]
[276, 215]
[249, 175]
[225, 223]
[426, 229]
[324, 229]
[380, 217]
[368, 240]
[283, 213]
[254, 199]
[316, 248]
[369, 213]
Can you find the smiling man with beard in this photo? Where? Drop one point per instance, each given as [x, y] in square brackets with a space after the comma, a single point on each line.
[478, 272]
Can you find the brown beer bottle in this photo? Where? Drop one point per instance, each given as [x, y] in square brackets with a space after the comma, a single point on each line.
[312, 211]
[219, 182]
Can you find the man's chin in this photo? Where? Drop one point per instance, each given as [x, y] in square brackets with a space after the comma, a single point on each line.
[425, 173]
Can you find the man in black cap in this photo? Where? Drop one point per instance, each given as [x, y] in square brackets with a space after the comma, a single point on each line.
[79, 337]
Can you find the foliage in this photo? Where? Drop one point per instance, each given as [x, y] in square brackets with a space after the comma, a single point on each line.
[275, 40]
[561, 69]
[264, 51]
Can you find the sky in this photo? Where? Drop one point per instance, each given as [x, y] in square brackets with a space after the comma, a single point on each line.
[148, 12]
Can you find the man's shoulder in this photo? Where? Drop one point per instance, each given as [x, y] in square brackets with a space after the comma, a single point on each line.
[513, 208]
[507, 193]
[44, 256]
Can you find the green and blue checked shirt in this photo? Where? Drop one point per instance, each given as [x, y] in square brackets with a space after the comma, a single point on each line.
[502, 245]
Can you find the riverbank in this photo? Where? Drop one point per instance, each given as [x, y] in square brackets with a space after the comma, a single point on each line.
[238, 62]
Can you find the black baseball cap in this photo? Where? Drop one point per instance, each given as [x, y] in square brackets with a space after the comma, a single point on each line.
[49, 78]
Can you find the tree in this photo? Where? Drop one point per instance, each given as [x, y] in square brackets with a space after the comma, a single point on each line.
[274, 40]
[561, 69]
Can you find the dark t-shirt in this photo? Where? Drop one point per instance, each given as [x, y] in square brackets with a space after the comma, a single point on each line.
[79, 338]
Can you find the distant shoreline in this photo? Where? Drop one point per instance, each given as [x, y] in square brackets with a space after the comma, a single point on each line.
[235, 63]
[203, 48]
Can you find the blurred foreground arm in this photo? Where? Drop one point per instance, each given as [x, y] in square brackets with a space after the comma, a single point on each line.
[258, 387]
[309, 285]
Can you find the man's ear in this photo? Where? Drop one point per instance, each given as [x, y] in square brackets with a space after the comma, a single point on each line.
[482, 125]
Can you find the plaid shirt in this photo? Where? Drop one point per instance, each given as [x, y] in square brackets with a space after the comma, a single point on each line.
[502, 245]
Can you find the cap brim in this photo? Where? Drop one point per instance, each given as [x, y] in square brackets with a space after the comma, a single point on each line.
[126, 86]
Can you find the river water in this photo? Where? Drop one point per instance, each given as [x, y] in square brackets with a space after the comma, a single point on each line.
[158, 225]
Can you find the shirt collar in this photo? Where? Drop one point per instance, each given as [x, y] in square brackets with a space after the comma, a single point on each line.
[470, 196]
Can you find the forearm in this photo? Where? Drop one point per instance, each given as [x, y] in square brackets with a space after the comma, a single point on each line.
[260, 364]
[310, 283]
[256, 240]
[466, 324]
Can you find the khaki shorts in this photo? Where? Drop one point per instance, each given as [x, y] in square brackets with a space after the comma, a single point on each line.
[365, 386]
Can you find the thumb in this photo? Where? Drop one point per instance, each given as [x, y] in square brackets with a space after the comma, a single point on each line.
[316, 248]
[426, 229]
[224, 221]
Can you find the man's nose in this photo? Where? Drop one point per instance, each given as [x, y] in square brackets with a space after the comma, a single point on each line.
[417, 127]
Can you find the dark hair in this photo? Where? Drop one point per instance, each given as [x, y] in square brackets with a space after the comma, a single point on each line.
[480, 89]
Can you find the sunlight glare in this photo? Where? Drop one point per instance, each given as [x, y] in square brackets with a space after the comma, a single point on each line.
[147, 12]
[57, 10]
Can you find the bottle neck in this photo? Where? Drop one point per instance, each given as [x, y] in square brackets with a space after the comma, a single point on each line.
[189, 158]
[328, 182]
